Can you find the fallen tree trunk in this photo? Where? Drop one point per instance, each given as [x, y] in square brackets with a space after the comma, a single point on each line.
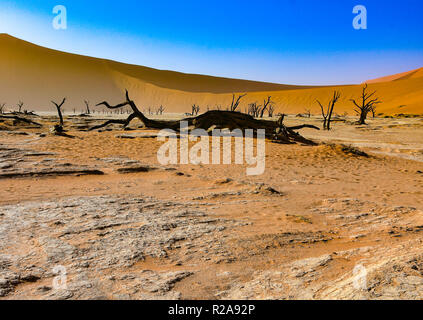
[214, 119]
[16, 118]
[304, 126]
[124, 122]
[53, 172]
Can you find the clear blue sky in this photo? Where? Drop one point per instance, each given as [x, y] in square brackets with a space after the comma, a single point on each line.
[285, 41]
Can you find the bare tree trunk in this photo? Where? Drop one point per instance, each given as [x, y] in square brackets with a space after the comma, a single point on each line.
[59, 111]
[327, 116]
[20, 105]
[363, 117]
[87, 104]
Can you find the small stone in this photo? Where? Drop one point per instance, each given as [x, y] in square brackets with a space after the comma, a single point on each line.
[30, 278]
[43, 289]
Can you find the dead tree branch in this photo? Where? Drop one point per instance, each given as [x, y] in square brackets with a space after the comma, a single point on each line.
[235, 103]
[124, 122]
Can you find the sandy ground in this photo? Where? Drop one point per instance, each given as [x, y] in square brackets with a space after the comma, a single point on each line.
[298, 231]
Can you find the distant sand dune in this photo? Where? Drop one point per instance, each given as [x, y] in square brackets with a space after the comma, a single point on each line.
[37, 75]
[417, 73]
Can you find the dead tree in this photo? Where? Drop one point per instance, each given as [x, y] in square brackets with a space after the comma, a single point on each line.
[308, 113]
[235, 103]
[271, 110]
[195, 110]
[20, 105]
[265, 106]
[231, 120]
[367, 104]
[59, 128]
[17, 119]
[249, 110]
[87, 105]
[160, 110]
[327, 115]
[254, 109]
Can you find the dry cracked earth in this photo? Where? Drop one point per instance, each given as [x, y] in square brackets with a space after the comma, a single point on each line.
[98, 211]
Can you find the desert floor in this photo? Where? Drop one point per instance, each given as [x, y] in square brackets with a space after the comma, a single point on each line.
[322, 222]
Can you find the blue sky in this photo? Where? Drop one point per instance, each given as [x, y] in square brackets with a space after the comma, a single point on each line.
[285, 41]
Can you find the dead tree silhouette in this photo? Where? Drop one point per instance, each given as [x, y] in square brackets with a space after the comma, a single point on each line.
[231, 120]
[87, 105]
[254, 109]
[271, 110]
[265, 106]
[195, 110]
[367, 104]
[235, 103]
[59, 128]
[160, 110]
[308, 113]
[20, 105]
[327, 115]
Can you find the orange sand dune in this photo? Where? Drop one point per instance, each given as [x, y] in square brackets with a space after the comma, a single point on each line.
[36, 75]
[417, 73]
